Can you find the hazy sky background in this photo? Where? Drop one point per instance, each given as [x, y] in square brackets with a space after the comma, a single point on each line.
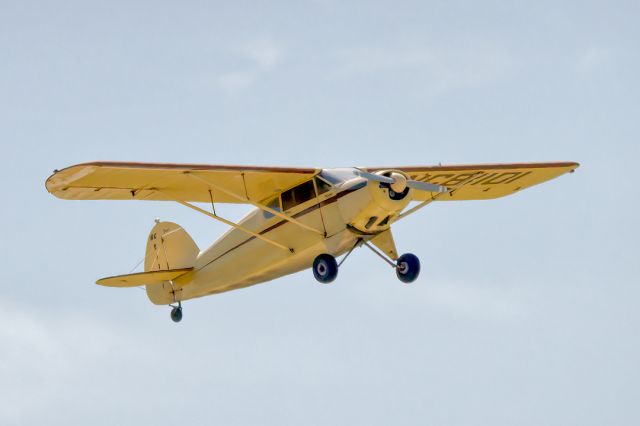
[526, 312]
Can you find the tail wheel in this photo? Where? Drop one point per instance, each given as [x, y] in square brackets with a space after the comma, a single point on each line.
[176, 314]
[325, 268]
[408, 268]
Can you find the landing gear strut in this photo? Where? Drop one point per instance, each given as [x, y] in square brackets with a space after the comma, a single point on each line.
[176, 312]
[407, 266]
[325, 267]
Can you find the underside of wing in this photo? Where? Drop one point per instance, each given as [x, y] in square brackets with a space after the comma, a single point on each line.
[481, 181]
[164, 182]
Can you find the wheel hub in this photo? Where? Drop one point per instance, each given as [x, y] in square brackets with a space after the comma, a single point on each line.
[322, 269]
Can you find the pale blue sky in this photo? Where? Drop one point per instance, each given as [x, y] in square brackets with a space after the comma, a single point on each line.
[526, 311]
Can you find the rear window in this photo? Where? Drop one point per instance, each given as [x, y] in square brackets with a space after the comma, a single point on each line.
[275, 205]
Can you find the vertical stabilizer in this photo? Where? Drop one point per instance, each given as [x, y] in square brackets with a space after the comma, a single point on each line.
[169, 247]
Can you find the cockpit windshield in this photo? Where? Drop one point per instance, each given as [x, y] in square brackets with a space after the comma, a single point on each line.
[337, 176]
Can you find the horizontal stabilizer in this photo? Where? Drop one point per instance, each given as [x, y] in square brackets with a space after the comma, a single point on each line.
[143, 278]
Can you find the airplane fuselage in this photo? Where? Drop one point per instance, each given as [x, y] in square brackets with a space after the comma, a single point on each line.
[348, 210]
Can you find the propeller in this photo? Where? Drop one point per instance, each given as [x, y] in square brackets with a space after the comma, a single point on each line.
[426, 186]
[398, 182]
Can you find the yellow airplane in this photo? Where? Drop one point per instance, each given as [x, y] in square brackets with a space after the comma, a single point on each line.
[303, 217]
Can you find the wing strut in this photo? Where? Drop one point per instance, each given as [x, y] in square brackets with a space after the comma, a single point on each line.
[258, 205]
[235, 225]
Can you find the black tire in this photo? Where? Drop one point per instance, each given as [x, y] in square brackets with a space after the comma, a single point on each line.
[408, 268]
[325, 268]
[176, 314]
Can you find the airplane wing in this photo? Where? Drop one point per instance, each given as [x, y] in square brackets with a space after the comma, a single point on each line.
[169, 182]
[481, 181]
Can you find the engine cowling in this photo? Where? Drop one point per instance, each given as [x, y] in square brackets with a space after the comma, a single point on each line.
[391, 196]
[387, 200]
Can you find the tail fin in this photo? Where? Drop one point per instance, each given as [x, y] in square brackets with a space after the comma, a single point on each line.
[169, 248]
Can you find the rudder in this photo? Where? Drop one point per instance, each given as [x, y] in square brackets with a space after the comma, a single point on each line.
[168, 247]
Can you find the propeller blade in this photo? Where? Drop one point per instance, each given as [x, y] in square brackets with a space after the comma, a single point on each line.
[420, 186]
[426, 186]
[373, 177]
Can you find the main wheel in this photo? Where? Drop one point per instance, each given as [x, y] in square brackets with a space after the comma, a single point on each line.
[176, 314]
[408, 268]
[325, 268]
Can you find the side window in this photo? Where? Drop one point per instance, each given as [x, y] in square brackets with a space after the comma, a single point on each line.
[322, 186]
[299, 194]
[275, 205]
